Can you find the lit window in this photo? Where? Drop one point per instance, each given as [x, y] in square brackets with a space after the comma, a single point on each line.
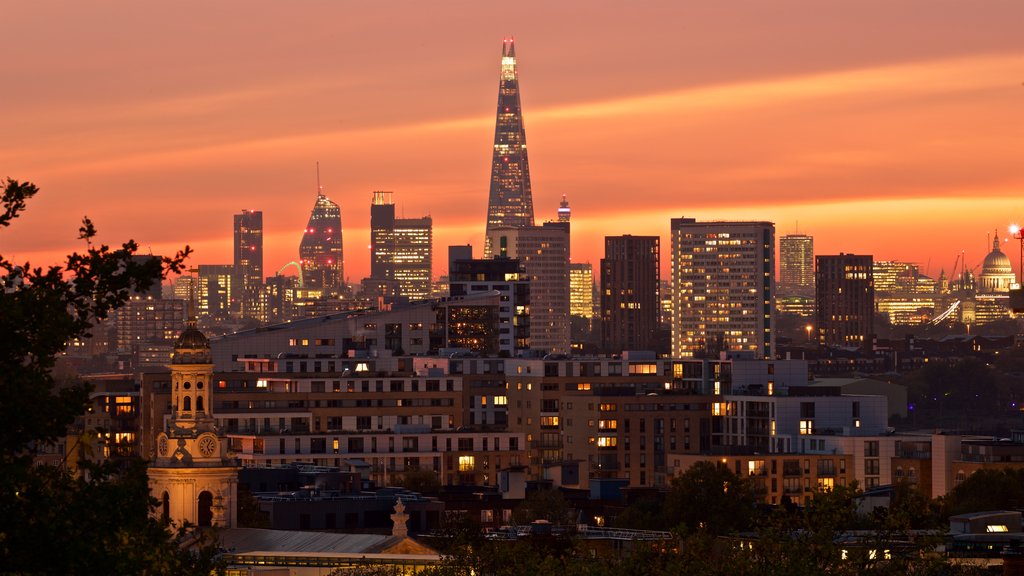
[607, 442]
[996, 528]
[466, 463]
[806, 427]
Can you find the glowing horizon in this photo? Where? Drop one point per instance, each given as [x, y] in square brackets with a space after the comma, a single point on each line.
[906, 149]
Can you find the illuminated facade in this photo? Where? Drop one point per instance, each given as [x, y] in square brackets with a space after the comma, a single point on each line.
[248, 279]
[543, 252]
[191, 476]
[902, 293]
[401, 250]
[510, 202]
[845, 299]
[630, 275]
[320, 253]
[796, 264]
[722, 294]
[581, 290]
[215, 281]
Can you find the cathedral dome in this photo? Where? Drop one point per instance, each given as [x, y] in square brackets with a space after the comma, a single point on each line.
[996, 273]
[996, 262]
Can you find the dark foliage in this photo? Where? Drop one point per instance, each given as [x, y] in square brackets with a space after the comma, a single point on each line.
[96, 519]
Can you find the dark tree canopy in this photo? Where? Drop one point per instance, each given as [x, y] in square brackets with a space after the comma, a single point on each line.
[52, 520]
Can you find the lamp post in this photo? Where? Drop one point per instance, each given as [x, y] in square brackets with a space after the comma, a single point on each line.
[808, 328]
[1018, 233]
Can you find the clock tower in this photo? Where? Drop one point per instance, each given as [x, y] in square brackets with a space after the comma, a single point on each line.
[191, 475]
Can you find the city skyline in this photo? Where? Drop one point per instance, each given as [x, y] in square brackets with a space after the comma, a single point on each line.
[678, 108]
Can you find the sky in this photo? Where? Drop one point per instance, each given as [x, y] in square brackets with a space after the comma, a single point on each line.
[878, 127]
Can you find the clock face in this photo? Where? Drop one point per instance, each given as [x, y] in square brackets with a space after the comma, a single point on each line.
[161, 445]
[207, 445]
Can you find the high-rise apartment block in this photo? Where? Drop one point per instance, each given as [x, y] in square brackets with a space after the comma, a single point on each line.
[543, 252]
[401, 250]
[845, 299]
[320, 252]
[722, 288]
[629, 293]
[248, 280]
[796, 264]
[510, 202]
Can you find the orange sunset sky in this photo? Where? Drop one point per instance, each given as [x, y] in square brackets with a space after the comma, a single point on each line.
[893, 128]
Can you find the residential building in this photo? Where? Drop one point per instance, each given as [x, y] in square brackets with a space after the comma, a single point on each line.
[845, 300]
[722, 288]
[630, 303]
[543, 252]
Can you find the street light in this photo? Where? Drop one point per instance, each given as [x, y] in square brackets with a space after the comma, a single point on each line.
[1017, 291]
[1018, 233]
[808, 328]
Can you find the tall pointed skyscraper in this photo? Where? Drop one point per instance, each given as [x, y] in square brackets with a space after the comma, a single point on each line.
[510, 204]
[320, 252]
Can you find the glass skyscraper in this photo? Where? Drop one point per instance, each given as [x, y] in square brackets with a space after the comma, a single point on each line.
[320, 253]
[510, 203]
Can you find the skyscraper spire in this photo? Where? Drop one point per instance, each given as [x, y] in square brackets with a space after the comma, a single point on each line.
[510, 202]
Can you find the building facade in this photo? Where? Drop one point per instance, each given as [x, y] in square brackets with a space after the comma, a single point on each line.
[630, 303]
[401, 250]
[191, 476]
[722, 292]
[543, 252]
[247, 283]
[796, 264]
[507, 277]
[844, 300]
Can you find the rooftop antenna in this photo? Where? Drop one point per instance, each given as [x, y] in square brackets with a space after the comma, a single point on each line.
[193, 290]
[319, 188]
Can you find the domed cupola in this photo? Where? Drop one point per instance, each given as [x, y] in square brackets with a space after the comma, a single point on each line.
[192, 347]
[996, 272]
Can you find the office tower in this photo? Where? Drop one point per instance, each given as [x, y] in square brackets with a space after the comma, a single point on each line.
[320, 253]
[544, 254]
[401, 250]
[248, 280]
[215, 290]
[506, 276]
[722, 288]
[845, 299]
[183, 287]
[796, 264]
[581, 290]
[510, 202]
[629, 293]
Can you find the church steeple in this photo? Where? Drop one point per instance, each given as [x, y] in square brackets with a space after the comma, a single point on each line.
[192, 475]
[510, 202]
